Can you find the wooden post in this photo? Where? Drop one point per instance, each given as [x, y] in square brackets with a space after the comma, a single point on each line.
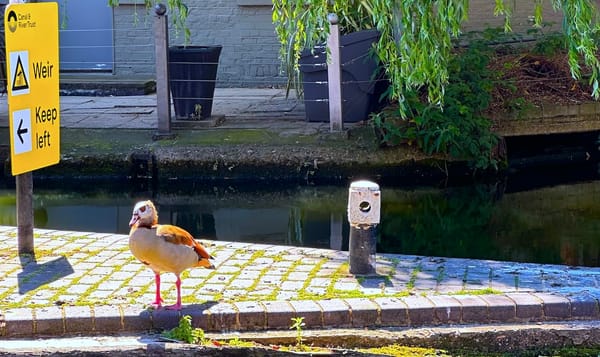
[334, 75]
[163, 96]
[25, 213]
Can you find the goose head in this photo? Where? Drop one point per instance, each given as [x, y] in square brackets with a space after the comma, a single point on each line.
[144, 215]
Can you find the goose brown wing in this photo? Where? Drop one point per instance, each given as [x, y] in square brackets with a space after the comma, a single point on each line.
[177, 235]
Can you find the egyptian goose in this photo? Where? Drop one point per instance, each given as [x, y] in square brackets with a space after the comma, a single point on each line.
[164, 248]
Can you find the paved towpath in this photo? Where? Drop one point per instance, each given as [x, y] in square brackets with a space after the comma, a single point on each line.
[240, 107]
[89, 283]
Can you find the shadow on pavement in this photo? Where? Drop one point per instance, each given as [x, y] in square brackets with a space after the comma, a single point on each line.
[35, 275]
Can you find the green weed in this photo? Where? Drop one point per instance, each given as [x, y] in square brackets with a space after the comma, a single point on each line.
[298, 324]
[186, 333]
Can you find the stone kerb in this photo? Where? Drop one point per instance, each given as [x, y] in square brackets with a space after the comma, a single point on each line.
[411, 311]
[550, 118]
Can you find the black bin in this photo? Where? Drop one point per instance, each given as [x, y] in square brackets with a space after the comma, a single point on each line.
[192, 77]
[360, 88]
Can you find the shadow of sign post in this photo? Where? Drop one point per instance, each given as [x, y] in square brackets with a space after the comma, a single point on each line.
[35, 275]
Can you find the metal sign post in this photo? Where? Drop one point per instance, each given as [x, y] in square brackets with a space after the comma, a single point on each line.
[25, 213]
[32, 67]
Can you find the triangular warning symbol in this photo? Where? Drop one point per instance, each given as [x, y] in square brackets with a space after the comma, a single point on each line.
[19, 80]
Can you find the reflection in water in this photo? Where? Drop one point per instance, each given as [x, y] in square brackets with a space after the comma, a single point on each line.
[550, 225]
[554, 224]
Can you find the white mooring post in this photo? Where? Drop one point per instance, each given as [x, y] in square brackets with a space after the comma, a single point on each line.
[163, 97]
[334, 75]
[364, 206]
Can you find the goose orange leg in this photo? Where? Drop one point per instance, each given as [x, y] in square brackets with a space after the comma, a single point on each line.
[158, 299]
[177, 305]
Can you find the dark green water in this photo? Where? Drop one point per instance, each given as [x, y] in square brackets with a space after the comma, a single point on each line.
[521, 220]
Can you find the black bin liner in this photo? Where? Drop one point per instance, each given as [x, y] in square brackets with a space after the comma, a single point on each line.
[360, 86]
[192, 76]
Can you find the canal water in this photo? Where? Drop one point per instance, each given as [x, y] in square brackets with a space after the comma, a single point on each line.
[542, 217]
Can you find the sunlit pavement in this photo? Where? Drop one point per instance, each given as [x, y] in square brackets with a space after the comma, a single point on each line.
[89, 283]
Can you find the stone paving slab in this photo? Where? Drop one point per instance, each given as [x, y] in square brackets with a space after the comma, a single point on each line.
[241, 107]
[89, 283]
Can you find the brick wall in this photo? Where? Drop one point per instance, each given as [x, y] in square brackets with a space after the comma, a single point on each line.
[481, 15]
[246, 32]
[250, 49]
[133, 42]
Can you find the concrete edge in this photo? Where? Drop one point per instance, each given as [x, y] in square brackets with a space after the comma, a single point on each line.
[498, 338]
[381, 312]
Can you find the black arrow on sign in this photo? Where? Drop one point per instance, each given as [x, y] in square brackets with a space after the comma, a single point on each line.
[21, 130]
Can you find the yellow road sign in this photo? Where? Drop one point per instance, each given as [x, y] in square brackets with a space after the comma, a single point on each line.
[31, 34]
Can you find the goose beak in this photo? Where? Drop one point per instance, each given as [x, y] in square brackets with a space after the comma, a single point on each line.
[134, 220]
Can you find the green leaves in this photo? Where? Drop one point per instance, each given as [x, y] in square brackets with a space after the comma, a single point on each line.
[459, 129]
[186, 333]
[581, 28]
[298, 324]
[416, 36]
[415, 49]
[415, 43]
[302, 24]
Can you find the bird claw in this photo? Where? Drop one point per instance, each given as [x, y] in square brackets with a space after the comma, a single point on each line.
[173, 307]
[156, 304]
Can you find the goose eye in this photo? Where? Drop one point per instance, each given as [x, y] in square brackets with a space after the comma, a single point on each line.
[143, 209]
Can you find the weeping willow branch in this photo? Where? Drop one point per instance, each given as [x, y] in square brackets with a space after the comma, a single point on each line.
[581, 26]
[416, 36]
[416, 43]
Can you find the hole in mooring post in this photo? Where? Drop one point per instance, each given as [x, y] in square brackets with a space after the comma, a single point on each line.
[364, 206]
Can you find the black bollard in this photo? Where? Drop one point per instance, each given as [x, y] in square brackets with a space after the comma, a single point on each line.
[364, 206]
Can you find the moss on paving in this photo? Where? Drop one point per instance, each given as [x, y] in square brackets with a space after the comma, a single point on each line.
[399, 350]
[99, 141]
[261, 262]
[78, 142]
